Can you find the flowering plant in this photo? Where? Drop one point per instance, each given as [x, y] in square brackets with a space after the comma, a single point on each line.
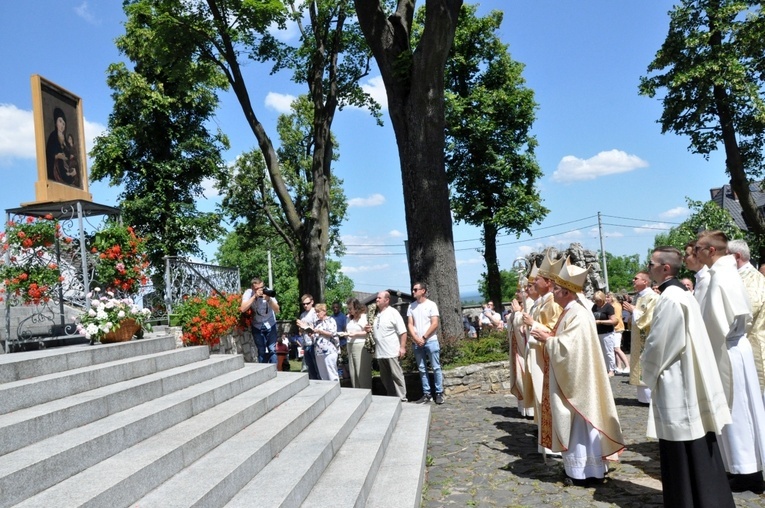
[30, 276]
[107, 312]
[121, 258]
[205, 319]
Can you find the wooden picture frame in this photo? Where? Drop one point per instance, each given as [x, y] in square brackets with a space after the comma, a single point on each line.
[62, 173]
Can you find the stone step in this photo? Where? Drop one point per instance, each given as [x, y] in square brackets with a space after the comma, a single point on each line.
[36, 467]
[17, 366]
[399, 480]
[290, 476]
[216, 478]
[126, 476]
[44, 388]
[348, 479]
[26, 426]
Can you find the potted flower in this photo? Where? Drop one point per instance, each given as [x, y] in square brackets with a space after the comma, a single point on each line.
[111, 319]
[121, 258]
[205, 319]
[28, 274]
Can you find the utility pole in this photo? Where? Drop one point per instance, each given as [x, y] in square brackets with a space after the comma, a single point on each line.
[603, 251]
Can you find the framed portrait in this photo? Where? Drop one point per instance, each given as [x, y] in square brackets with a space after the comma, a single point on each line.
[62, 173]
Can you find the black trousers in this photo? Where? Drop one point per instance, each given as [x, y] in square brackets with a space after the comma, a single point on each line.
[693, 475]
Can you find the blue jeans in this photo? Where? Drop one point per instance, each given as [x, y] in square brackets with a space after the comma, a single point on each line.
[431, 350]
[309, 357]
[265, 341]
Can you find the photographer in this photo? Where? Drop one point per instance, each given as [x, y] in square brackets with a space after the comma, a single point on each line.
[264, 307]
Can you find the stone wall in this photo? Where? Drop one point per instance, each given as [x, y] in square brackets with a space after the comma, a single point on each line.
[484, 377]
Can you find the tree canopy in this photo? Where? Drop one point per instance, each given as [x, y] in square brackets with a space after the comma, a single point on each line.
[712, 70]
[220, 36]
[490, 157]
[158, 145]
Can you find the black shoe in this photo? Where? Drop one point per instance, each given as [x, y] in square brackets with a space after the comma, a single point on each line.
[439, 398]
[743, 482]
[573, 482]
[425, 399]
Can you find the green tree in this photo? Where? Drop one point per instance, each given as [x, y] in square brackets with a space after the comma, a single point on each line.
[490, 157]
[509, 283]
[712, 69]
[704, 216]
[330, 58]
[158, 145]
[252, 260]
[249, 200]
[414, 83]
[621, 270]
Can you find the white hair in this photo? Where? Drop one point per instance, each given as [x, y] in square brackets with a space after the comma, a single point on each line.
[739, 247]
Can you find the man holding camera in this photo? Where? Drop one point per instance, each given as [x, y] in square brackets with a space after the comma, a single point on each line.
[264, 307]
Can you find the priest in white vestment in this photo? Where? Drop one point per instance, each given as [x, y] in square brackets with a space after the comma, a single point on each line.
[688, 407]
[701, 270]
[754, 282]
[726, 312]
[517, 337]
[578, 414]
[641, 311]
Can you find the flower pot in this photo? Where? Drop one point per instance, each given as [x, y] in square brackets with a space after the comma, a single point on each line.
[123, 333]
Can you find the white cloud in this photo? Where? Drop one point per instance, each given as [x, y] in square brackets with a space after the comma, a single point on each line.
[280, 102]
[92, 130]
[471, 261]
[373, 200]
[395, 233]
[83, 11]
[364, 268]
[653, 228]
[17, 133]
[679, 211]
[525, 250]
[595, 233]
[376, 88]
[571, 168]
[209, 189]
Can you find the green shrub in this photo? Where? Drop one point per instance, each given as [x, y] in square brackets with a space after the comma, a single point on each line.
[457, 352]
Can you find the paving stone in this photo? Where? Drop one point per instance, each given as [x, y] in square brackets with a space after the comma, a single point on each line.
[483, 453]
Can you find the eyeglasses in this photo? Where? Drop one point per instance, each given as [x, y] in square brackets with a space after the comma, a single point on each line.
[414, 290]
[651, 264]
[700, 247]
[307, 303]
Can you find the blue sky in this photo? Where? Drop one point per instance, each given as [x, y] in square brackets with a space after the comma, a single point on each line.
[600, 147]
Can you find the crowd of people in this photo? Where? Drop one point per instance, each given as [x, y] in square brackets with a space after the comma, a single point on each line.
[322, 336]
[697, 358]
[697, 361]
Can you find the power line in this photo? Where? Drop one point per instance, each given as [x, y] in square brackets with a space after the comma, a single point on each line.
[642, 220]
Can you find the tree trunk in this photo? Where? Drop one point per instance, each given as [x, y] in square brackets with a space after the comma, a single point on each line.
[493, 279]
[414, 82]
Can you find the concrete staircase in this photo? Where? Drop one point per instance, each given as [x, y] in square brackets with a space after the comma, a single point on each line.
[144, 424]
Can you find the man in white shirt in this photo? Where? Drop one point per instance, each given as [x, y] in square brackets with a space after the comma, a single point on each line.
[422, 322]
[390, 335]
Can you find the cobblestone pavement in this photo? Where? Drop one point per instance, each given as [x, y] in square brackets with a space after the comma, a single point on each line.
[482, 453]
